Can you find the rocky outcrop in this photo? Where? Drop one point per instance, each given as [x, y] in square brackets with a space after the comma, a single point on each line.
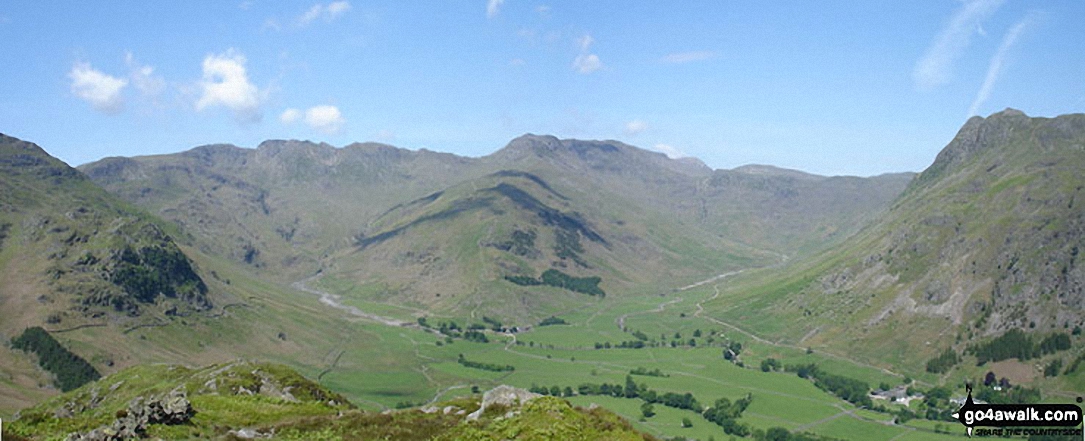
[174, 408]
[505, 396]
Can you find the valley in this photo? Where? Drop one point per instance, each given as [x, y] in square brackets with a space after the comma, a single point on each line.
[401, 279]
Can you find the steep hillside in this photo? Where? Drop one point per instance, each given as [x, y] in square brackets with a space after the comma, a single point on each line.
[427, 230]
[70, 249]
[280, 207]
[72, 255]
[986, 240]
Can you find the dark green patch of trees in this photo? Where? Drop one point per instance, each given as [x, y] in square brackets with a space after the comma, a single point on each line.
[156, 270]
[1053, 368]
[549, 321]
[558, 279]
[475, 336]
[1014, 395]
[554, 391]
[1017, 344]
[726, 414]
[71, 370]
[522, 243]
[586, 285]
[943, 362]
[495, 325]
[493, 367]
[649, 373]
[849, 389]
[770, 364]
[632, 390]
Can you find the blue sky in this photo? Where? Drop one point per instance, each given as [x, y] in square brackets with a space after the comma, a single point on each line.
[828, 87]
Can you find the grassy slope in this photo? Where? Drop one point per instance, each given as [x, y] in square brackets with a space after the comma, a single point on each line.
[936, 271]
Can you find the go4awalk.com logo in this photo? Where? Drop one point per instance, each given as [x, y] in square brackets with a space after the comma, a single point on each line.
[1020, 419]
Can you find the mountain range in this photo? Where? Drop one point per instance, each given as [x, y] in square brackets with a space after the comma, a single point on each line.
[224, 247]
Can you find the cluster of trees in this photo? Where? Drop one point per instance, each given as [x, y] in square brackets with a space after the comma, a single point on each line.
[550, 321]
[849, 389]
[71, 370]
[770, 365]
[452, 329]
[493, 367]
[732, 350]
[155, 271]
[726, 414]
[554, 391]
[629, 344]
[522, 243]
[1016, 395]
[558, 279]
[943, 362]
[650, 373]
[1015, 343]
[490, 323]
[633, 390]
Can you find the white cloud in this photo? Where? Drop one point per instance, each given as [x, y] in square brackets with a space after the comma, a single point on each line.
[995, 68]
[493, 7]
[585, 42]
[102, 91]
[143, 77]
[670, 151]
[687, 57]
[587, 63]
[328, 13]
[290, 116]
[336, 9]
[225, 83]
[326, 119]
[935, 67]
[636, 126]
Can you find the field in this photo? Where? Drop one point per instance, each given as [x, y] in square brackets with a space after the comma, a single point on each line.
[382, 367]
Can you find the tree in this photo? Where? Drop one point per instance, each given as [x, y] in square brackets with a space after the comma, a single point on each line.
[647, 410]
[630, 387]
[686, 422]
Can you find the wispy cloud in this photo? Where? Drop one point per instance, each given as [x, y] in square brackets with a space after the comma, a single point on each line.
[325, 119]
[102, 91]
[543, 10]
[585, 42]
[330, 12]
[687, 57]
[290, 116]
[586, 62]
[636, 126]
[226, 83]
[493, 7]
[143, 77]
[936, 65]
[997, 61]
